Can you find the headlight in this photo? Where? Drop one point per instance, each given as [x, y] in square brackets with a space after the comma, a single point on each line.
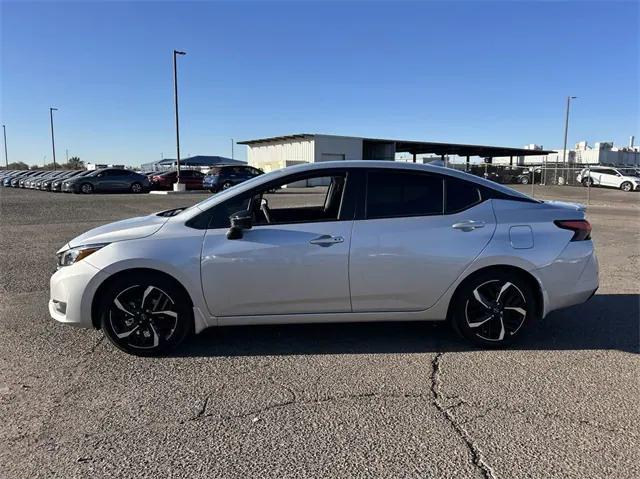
[73, 255]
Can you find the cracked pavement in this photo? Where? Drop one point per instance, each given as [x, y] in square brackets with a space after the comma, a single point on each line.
[350, 400]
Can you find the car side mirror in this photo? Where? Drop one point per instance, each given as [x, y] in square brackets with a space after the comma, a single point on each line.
[242, 220]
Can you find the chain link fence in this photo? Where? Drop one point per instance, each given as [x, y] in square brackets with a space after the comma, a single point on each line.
[558, 174]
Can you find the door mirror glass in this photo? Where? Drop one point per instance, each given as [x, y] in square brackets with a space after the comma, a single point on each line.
[241, 220]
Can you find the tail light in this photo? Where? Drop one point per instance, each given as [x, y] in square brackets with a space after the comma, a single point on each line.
[581, 228]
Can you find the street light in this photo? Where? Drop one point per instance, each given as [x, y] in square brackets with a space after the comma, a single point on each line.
[566, 132]
[6, 158]
[53, 141]
[177, 186]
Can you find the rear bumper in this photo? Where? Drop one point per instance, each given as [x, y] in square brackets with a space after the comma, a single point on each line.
[572, 278]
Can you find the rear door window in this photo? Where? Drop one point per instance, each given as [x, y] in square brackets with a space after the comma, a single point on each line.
[460, 195]
[392, 194]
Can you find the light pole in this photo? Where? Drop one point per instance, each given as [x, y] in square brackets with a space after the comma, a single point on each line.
[6, 158]
[232, 157]
[53, 141]
[177, 186]
[566, 132]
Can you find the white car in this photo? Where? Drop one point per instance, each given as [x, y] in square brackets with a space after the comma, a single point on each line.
[367, 241]
[611, 177]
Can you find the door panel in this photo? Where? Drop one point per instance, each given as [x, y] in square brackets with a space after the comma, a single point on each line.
[406, 264]
[277, 269]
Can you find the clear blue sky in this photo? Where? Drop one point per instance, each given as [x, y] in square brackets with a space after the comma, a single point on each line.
[476, 72]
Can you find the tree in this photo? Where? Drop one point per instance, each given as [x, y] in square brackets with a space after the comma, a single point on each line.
[75, 163]
[18, 165]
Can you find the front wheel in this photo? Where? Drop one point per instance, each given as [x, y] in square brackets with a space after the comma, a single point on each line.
[145, 315]
[587, 181]
[524, 180]
[493, 308]
[86, 188]
[626, 186]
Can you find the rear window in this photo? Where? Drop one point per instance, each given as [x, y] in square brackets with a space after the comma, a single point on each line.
[460, 195]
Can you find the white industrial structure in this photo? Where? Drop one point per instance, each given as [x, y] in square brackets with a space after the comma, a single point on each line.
[278, 152]
[602, 153]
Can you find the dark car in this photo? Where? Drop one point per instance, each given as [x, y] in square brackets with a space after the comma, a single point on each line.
[107, 180]
[56, 183]
[225, 176]
[12, 180]
[27, 179]
[165, 180]
[525, 177]
[44, 182]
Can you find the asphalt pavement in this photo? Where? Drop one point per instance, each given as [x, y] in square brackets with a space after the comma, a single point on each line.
[347, 400]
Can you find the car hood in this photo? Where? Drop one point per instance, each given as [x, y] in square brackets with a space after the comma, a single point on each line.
[134, 228]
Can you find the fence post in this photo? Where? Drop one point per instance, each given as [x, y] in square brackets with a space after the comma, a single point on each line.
[589, 185]
[533, 181]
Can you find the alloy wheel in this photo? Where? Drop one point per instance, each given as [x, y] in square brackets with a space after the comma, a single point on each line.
[143, 317]
[626, 186]
[497, 309]
[86, 188]
[136, 187]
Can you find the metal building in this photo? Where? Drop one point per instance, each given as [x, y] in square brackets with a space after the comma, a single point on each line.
[281, 151]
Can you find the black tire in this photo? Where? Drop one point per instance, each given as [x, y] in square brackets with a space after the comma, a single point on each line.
[86, 188]
[136, 188]
[524, 180]
[145, 315]
[213, 190]
[493, 308]
[588, 181]
[626, 186]
[226, 185]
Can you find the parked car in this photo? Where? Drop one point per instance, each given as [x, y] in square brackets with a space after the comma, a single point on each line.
[14, 181]
[107, 180]
[225, 176]
[524, 178]
[6, 178]
[56, 183]
[165, 180]
[40, 183]
[384, 241]
[609, 177]
[27, 181]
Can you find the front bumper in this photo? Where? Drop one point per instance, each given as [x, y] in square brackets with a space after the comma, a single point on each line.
[71, 291]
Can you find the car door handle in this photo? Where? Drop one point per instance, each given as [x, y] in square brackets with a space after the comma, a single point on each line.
[327, 240]
[468, 225]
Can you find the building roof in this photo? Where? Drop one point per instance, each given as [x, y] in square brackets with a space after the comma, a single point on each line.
[418, 147]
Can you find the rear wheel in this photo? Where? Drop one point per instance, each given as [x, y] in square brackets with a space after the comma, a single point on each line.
[226, 185]
[145, 315]
[86, 188]
[587, 181]
[626, 186]
[493, 308]
[524, 180]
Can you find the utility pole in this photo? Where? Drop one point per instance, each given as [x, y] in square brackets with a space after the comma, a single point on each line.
[232, 157]
[53, 141]
[564, 149]
[177, 186]
[6, 158]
